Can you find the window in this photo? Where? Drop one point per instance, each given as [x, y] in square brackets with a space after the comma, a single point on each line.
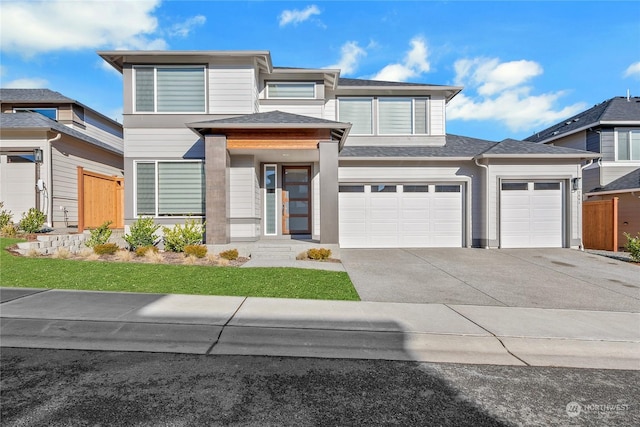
[170, 188]
[170, 89]
[358, 112]
[447, 188]
[546, 186]
[351, 189]
[51, 113]
[515, 186]
[628, 144]
[395, 116]
[415, 188]
[291, 90]
[383, 188]
[270, 201]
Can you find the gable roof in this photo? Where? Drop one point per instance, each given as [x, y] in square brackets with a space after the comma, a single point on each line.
[626, 183]
[613, 111]
[35, 121]
[465, 148]
[274, 120]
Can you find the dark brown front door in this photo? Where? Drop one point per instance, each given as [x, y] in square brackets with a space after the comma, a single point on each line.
[296, 200]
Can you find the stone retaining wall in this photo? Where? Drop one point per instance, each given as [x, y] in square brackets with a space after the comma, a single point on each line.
[49, 244]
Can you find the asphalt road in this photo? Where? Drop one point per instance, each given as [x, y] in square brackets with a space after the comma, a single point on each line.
[76, 388]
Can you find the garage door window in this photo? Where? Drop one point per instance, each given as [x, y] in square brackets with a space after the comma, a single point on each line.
[515, 186]
[351, 189]
[383, 188]
[415, 188]
[546, 186]
[447, 188]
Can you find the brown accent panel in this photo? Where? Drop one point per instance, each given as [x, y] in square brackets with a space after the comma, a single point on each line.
[100, 199]
[600, 224]
[303, 139]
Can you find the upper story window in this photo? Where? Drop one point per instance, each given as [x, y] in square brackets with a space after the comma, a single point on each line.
[291, 90]
[170, 89]
[628, 144]
[395, 116]
[52, 113]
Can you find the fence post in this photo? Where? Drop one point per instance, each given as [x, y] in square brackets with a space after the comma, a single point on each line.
[614, 206]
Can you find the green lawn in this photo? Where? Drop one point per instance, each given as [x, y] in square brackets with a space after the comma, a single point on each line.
[44, 272]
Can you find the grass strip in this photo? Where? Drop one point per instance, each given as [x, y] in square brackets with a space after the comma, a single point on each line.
[274, 282]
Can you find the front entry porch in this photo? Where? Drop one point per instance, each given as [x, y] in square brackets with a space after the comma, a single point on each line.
[275, 249]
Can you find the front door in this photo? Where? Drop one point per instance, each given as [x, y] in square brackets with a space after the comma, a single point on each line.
[296, 200]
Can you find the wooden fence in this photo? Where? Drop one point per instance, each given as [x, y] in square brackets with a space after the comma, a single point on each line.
[600, 224]
[100, 199]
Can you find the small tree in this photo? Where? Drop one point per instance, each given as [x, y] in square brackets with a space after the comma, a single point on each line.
[176, 238]
[142, 233]
[633, 246]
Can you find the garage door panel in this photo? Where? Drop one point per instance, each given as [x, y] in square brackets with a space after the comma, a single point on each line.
[417, 218]
[531, 218]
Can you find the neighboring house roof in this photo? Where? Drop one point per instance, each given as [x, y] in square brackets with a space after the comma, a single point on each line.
[35, 121]
[614, 111]
[274, 120]
[43, 96]
[465, 148]
[624, 184]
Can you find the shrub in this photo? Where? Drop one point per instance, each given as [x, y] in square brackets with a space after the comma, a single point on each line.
[32, 221]
[142, 233]
[176, 238]
[633, 246]
[154, 257]
[230, 255]
[199, 251]
[9, 230]
[61, 253]
[6, 217]
[142, 250]
[106, 249]
[124, 255]
[100, 235]
[189, 260]
[302, 256]
[319, 254]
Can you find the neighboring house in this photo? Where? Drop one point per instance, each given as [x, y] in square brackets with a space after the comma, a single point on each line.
[611, 128]
[263, 152]
[68, 135]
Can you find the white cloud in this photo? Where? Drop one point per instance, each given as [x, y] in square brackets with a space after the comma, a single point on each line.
[34, 27]
[633, 70]
[502, 94]
[350, 54]
[27, 83]
[415, 63]
[296, 16]
[182, 29]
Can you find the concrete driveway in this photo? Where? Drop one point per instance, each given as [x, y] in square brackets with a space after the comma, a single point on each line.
[544, 278]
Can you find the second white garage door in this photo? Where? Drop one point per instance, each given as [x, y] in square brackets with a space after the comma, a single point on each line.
[531, 215]
[400, 216]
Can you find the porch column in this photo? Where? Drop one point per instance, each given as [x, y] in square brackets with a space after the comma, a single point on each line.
[329, 230]
[216, 171]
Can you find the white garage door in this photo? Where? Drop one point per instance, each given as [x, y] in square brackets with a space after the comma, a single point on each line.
[17, 183]
[531, 215]
[400, 216]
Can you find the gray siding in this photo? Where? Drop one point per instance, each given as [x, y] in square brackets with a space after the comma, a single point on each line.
[242, 190]
[611, 172]
[231, 89]
[593, 141]
[590, 178]
[102, 130]
[576, 141]
[607, 142]
[163, 144]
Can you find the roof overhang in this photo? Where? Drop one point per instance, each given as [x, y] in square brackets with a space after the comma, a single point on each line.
[407, 158]
[330, 76]
[539, 156]
[339, 131]
[604, 193]
[117, 58]
[448, 91]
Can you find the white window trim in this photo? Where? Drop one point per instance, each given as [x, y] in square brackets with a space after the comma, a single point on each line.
[264, 198]
[629, 162]
[373, 114]
[290, 83]
[156, 194]
[155, 89]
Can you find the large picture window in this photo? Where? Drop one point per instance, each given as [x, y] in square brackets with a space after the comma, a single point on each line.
[165, 188]
[358, 112]
[178, 89]
[628, 144]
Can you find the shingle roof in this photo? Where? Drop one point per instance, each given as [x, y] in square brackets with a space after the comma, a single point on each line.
[616, 109]
[269, 118]
[33, 95]
[26, 120]
[630, 181]
[362, 82]
[464, 147]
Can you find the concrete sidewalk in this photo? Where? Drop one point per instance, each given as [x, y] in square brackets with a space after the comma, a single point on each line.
[211, 325]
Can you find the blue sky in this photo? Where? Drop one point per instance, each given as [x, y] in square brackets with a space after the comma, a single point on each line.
[524, 65]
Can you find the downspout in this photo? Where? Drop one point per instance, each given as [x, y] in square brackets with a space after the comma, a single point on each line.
[582, 168]
[486, 210]
[50, 179]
